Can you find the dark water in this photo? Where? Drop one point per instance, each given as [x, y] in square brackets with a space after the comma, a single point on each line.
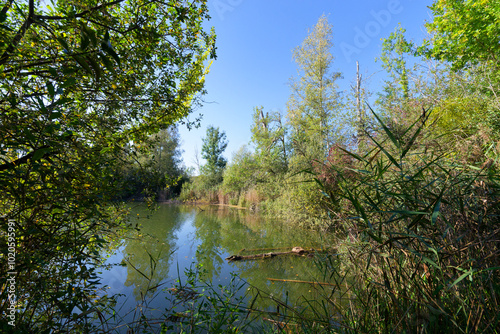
[174, 238]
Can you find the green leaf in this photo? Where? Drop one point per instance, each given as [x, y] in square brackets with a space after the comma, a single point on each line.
[458, 280]
[84, 41]
[411, 141]
[83, 63]
[109, 50]
[95, 66]
[55, 115]
[435, 213]
[63, 43]
[429, 261]
[53, 71]
[107, 63]
[408, 212]
[50, 89]
[67, 134]
[415, 221]
[40, 153]
[386, 153]
[369, 260]
[354, 155]
[105, 150]
[386, 129]
[374, 237]
[91, 35]
[69, 82]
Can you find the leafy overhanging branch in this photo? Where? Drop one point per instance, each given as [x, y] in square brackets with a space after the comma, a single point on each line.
[39, 153]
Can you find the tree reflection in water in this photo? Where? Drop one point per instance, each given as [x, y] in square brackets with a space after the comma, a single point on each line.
[173, 237]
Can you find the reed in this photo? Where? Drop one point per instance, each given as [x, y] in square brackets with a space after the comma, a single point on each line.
[422, 241]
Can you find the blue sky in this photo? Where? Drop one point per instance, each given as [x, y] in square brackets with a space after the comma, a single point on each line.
[255, 39]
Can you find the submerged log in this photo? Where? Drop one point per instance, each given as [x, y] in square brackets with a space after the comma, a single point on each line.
[261, 249]
[295, 251]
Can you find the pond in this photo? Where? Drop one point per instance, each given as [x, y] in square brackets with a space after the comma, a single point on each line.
[175, 238]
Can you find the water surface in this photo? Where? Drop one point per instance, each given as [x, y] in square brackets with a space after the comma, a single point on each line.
[175, 237]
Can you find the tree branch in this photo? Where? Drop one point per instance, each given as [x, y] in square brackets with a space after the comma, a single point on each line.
[23, 160]
[123, 32]
[6, 7]
[49, 61]
[82, 14]
[31, 19]
[20, 34]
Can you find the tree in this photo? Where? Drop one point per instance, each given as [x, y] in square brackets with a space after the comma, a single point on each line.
[271, 146]
[314, 117]
[464, 32]
[240, 174]
[155, 171]
[395, 49]
[315, 104]
[80, 80]
[214, 144]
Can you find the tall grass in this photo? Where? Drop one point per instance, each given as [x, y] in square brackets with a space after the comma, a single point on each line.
[423, 237]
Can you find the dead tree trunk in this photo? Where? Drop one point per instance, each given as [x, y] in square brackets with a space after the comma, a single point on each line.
[299, 251]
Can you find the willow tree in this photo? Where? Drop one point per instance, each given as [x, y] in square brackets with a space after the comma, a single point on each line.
[314, 105]
[80, 80]
[271, 145]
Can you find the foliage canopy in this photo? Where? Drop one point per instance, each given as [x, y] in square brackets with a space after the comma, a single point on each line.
[78, 82]
[465, 31]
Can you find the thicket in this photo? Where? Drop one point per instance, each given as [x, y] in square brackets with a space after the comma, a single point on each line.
[420, 235]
